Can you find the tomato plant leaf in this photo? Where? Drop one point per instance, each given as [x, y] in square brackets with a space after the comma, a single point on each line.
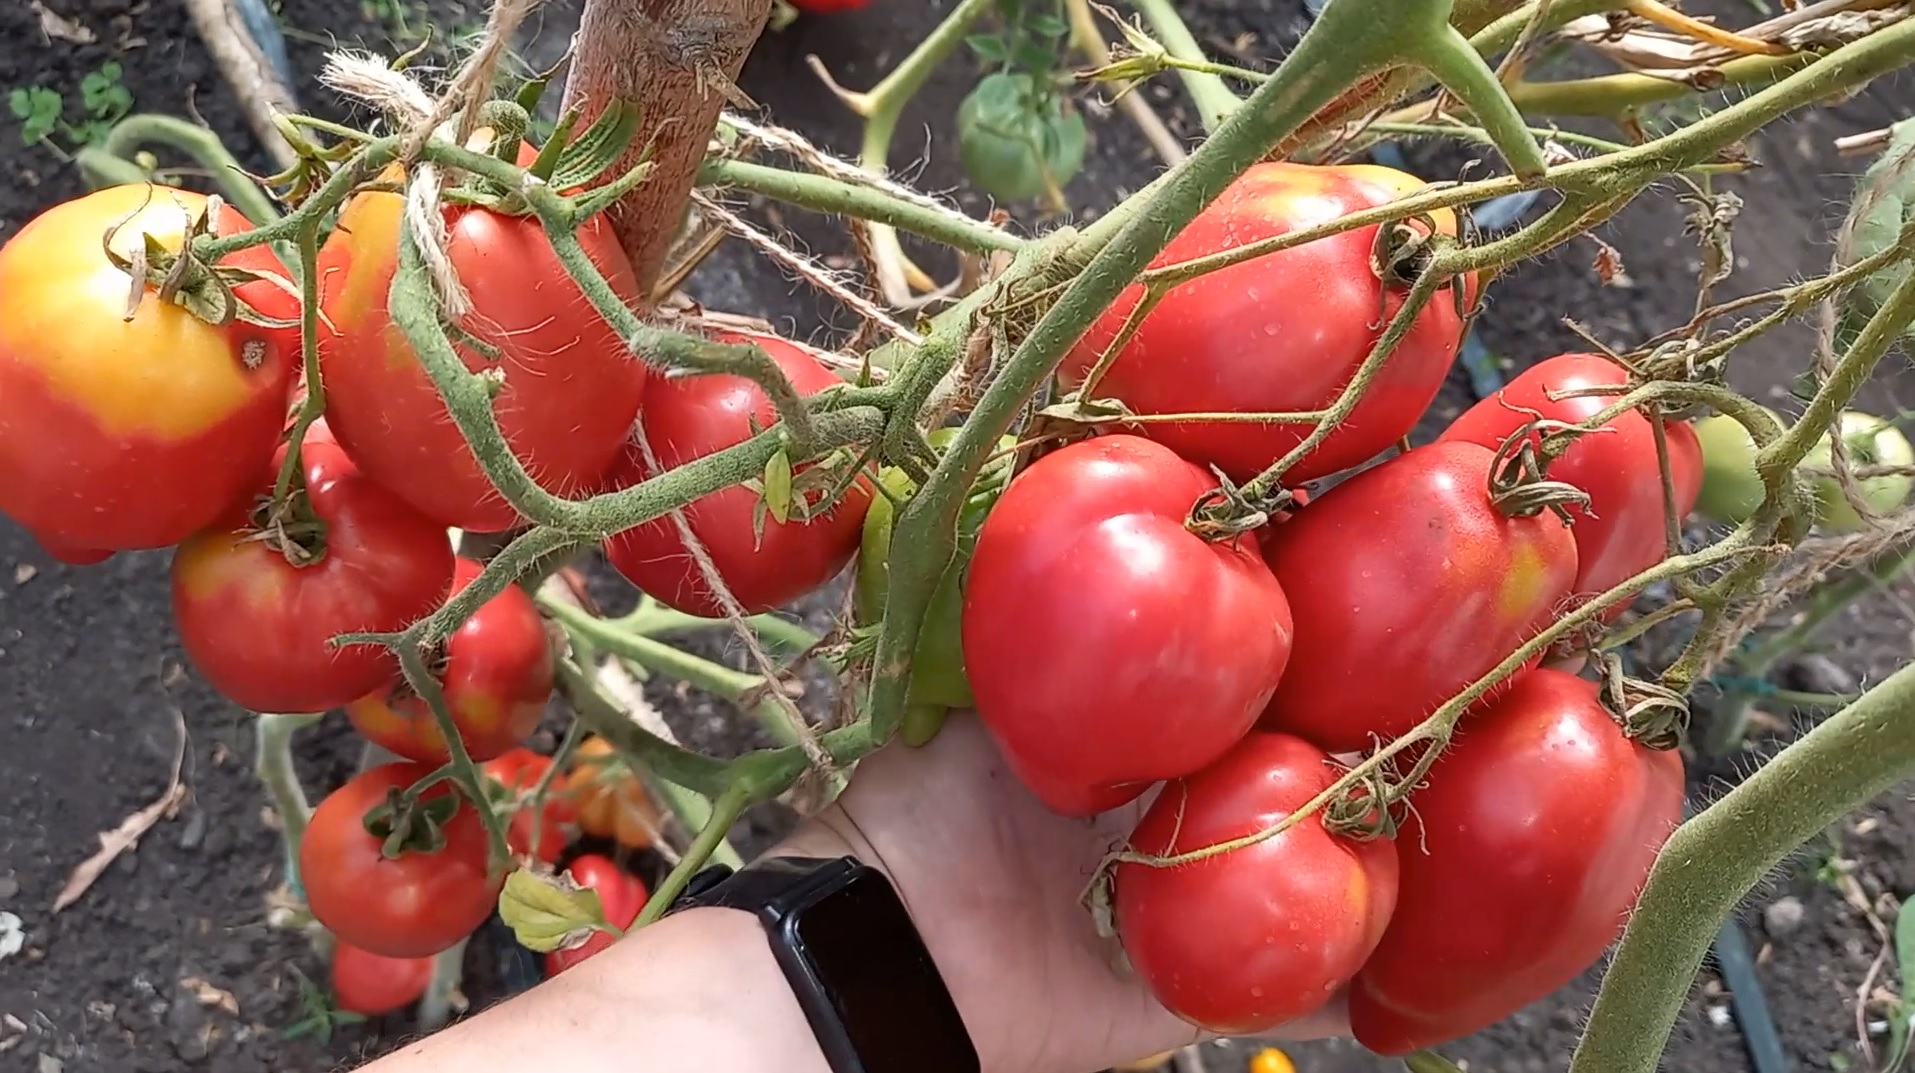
[546, 913]
[600, 146]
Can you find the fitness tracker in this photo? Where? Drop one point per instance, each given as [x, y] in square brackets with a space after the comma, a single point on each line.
[854, 959]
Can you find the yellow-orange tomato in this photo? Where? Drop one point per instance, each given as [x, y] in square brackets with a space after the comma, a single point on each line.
[612, 803]
[123, 431]
[1271, 1060]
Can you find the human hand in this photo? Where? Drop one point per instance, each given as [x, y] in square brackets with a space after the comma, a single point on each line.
[994, 882]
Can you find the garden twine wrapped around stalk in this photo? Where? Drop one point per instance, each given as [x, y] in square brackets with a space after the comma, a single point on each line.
[399, 96]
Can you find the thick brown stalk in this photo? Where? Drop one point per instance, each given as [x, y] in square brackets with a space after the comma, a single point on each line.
[676, 61]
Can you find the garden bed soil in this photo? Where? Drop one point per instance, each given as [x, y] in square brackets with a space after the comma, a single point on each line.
[169, 962]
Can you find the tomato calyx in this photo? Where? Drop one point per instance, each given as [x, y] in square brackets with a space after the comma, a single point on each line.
[1369, 808]
[407, 823]
[183, 278]
[1518, 484]
[1227, 512]
[290, 527]
[1404, 249]
[1653, 716]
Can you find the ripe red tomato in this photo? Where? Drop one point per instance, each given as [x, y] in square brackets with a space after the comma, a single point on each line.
[1408, 584]
[1621, 534]
[1108, 646]
[121, 432]
[70, 555]
[1247, 939]
[571, 387]
[497, 676]
[1282, 333]
[259, 628]
[691, 417]
[514, 775]
[412, 905]
[1521, 859]
[620, 894]
[368, 984]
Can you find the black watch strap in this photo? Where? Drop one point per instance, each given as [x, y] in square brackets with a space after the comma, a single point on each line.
[868, 987]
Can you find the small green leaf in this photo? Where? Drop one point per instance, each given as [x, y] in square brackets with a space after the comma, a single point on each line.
[989, 48]
[547, 913]
[38, 109]
[778, 486]
[1047, 24]
[602, 145]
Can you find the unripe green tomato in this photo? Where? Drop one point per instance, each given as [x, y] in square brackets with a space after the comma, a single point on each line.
[937, 670]
[1872, 441]
[1010, 144]
[1731, 489]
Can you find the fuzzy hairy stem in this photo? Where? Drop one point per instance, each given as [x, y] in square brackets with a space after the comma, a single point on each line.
[734, 686]
[882, 106]
[274, 766]
[313, 406]
[821, 193]
[1778, 461]
[1720, 854]
[1215, 100]
[725, 810]
[204, 147]
[464, 770]
[1610, 95]
[673, 763]
[675, 60]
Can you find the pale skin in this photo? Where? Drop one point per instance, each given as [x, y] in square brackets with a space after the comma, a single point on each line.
[993, 882]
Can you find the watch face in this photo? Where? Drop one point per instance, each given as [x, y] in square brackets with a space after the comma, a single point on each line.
[890, 998]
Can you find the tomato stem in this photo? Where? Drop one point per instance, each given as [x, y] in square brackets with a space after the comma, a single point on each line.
[735, 686]
[674, 763]
[313, 404]
[125, 137]
[824, 194]
[1215, 101]
[881, 107]
[464, 772]
[726, 808]
[273, 735]
[1849, 759]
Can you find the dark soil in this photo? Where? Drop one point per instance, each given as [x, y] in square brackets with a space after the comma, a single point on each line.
[168, 963]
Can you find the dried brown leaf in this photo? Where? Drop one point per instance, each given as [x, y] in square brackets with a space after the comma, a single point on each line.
[58, 27]
[127, 835]
[210, 996]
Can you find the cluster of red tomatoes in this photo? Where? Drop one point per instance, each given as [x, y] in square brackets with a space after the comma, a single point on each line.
[390, 915]
[147, 424]
[1111, 645]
